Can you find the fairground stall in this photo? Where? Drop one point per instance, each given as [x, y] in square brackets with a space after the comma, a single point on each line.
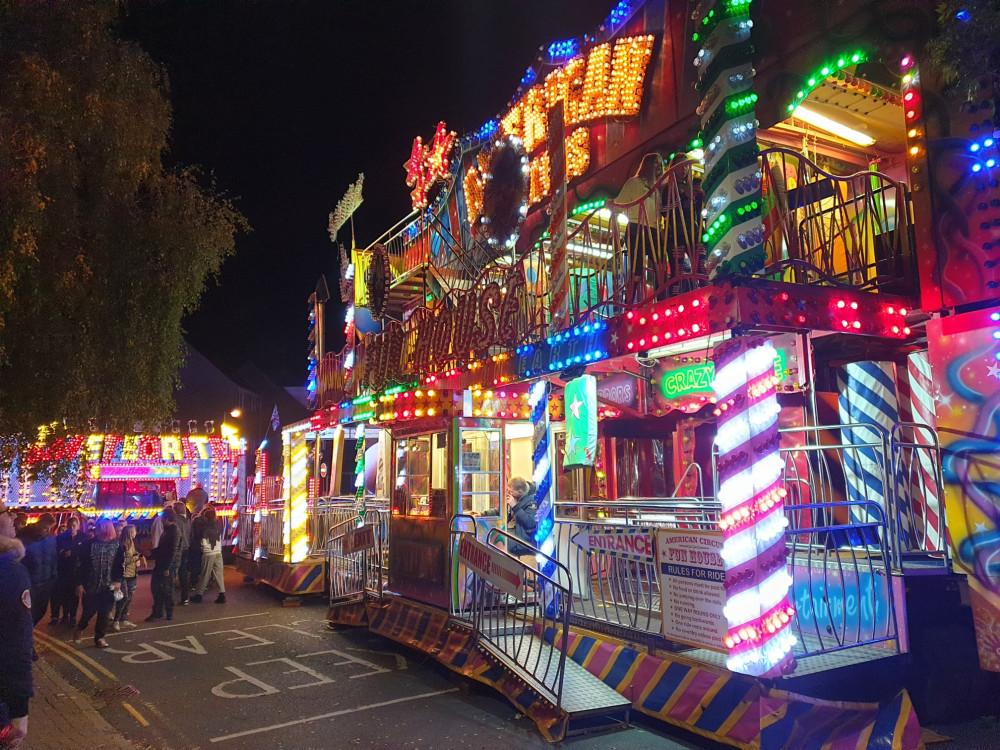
[719, 313]
[127, 476]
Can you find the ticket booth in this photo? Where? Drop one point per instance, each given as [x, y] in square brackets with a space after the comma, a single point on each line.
[442, 469]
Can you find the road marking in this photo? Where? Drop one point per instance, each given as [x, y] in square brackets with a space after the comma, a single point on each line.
[65, 649]
[330, 715]
[93, 677]
[184, 624]
[400, 659]
[136, 715]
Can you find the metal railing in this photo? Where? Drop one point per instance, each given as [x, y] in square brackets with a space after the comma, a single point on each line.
[246, 532]
[326, 513]
[354, 574]
[272, 531]
[918, 485]
[843, 229]
[842, 468]
[529, 631]
[841, 587]
[612, 590]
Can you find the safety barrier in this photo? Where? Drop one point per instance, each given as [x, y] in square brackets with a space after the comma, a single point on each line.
[245, 523]
[613, 590]
[353, 574]
[272, 532]
[327, 513]
[918, 486]
[513, 626]
[841, 586]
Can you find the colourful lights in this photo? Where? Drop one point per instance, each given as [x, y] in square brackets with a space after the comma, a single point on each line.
[428, 164]
[830, 68]
[751, 494]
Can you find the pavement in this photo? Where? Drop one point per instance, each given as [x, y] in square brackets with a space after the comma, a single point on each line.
[60, 717]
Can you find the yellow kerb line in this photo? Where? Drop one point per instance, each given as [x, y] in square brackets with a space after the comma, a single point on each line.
[66, 649]
[135, 714]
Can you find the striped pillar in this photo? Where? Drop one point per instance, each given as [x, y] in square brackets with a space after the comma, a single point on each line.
[752, 518]
[559, 303]
[916, 405]
[359, 474]
[868, 397]
[734, 234]
[538, 400]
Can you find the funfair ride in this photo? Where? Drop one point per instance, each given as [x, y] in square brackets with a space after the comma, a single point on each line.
[742, 333]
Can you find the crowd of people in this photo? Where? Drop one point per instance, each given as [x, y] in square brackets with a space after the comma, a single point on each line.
[93, 566]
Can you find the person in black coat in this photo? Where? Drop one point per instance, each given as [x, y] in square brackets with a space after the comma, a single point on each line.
[16, 640]
[69, 547]
[521, 509]
[40, 559]
[166, 559]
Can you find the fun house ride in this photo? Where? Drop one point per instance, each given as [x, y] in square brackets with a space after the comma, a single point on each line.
[738, 321]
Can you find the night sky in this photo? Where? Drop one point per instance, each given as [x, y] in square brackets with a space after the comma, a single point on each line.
[286, 102]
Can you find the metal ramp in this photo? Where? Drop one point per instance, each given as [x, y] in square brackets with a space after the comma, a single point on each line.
[521, 620]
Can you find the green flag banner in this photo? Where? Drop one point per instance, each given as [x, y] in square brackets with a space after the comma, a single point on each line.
[581, 422]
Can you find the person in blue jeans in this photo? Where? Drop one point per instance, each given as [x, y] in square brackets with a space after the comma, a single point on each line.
[127, 564]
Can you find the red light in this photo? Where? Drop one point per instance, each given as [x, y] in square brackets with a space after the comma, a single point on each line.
[642, 321]
[906, 331]
[655, 338]
[902, 311]
[695, 303]
[695, 328]
[890, 309]
[911, 114]
[908, 96]
[857, 324]
[642, 342]
[802, 318]
[631, 345]
[630, 315]
[845, 324]
[895, 329]
[656, 316]
[854, 305]
[666, 313]
[680, 331]
[841, 304]
[680, 308]
[783, 296]
[906, 62]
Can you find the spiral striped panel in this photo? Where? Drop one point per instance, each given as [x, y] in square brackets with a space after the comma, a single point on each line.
[921, 407]
[868, 397]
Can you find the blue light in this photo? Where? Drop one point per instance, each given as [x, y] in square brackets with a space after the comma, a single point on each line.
[991, 163]
[974, 147]
[996, 335]
[561, 50]
[976, 167]
[620, 12]
[487, 129]
[963, 15]
[529, 75]
[995, 316]
[988, 142]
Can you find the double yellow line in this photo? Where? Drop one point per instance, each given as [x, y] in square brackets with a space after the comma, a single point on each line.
[83, 662]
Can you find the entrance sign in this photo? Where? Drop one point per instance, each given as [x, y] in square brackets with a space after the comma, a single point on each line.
[628, 543]
[492, 566]
[692, 579]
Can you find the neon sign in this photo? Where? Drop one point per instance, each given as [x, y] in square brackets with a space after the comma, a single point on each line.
[697, 378]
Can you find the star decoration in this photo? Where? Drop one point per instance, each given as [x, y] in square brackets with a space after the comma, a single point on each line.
[614, 338]
[994, 370]
[574, 407]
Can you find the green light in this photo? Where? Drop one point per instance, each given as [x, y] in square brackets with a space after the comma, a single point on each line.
[825, 71]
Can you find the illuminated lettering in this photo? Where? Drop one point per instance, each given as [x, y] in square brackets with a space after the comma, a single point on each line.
[199, 445]
[130, 447]
[427, 165]
[171, 449]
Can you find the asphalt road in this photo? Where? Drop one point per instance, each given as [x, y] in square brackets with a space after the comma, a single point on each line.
[251, 674]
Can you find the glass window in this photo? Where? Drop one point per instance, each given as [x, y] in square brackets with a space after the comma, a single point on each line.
[421, 467]
[479, 471]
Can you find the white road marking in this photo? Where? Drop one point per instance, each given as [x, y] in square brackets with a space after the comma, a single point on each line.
[400, 659]
[139, 631]
[243, 635]
[330, 715]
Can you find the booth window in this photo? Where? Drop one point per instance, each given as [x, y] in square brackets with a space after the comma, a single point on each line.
[420, 473]
[479, 471]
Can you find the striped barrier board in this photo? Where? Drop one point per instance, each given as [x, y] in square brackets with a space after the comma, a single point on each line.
[297, 579]
[737, 710]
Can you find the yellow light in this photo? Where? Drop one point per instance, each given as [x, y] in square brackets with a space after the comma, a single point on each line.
[914, 150]
[912, 133]
[832, 126]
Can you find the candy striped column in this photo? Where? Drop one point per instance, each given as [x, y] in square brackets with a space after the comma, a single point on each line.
[868, 397]
[916, 405]
[538, 400]
[752, 517]
[733, 233]
[559, 267]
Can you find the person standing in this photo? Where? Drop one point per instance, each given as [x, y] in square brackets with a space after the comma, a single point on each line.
[16, 639]
[96, 582]
[196, 499]
[68, 548]
[211, 551]
[157, 527]
[521, 509]
[127, 564]
[184, 539]
[166, 557]
[40, 558]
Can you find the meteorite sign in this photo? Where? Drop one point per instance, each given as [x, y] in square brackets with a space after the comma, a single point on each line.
[492, 566]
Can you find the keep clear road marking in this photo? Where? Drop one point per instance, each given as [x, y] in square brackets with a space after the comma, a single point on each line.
[140, 631]
[330, 715]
